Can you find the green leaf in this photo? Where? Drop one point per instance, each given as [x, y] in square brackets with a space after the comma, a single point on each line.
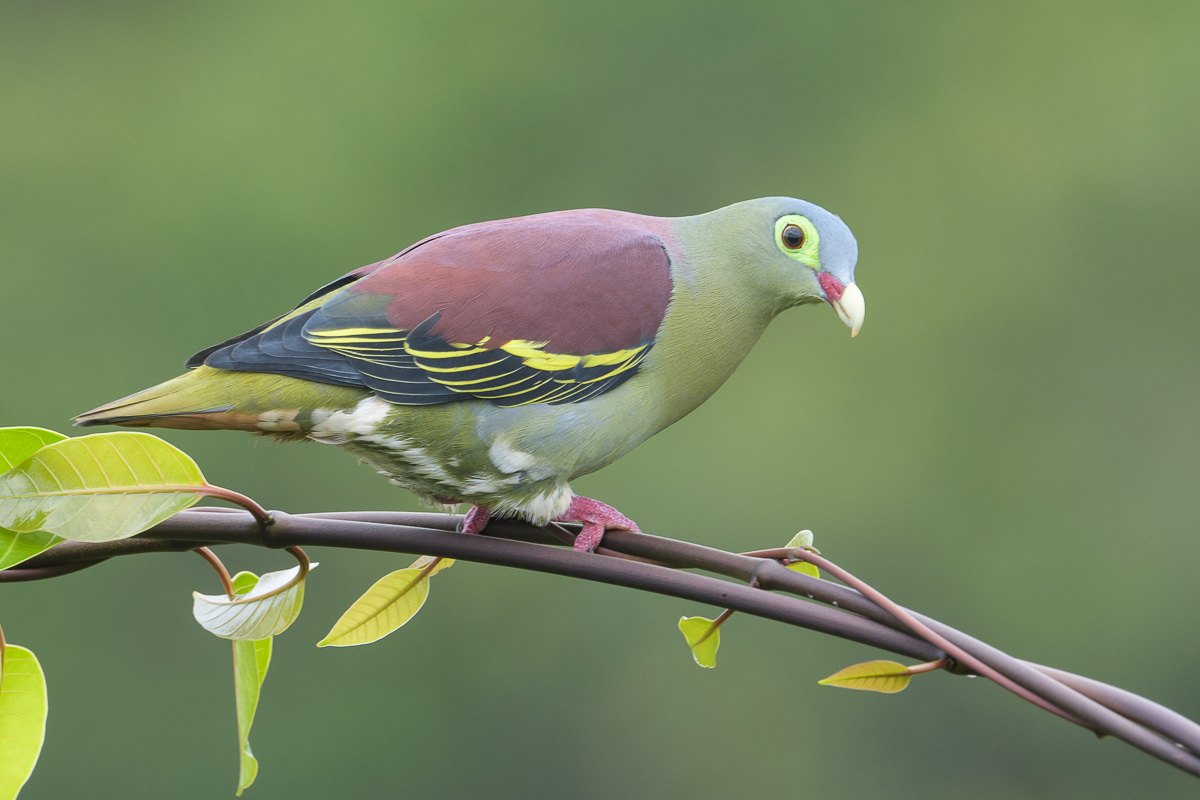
[250, 662]
[22, 718]
[17, 547]
[262, 607]
[887, 677]
[16, 445]
[391, 602]
[703, 637]
[803, 539]
[99, 488]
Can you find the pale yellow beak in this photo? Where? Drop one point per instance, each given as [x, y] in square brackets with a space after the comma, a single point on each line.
[851, 307]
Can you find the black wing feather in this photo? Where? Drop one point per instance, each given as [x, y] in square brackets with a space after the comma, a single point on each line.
[353, 344]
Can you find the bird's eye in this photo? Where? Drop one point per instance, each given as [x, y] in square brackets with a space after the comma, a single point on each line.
[792, 237]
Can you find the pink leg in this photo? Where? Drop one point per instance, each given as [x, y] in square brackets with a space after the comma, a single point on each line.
[596, 518]
[476, 519]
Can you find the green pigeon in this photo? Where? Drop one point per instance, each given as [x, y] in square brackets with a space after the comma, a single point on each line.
[492, 363]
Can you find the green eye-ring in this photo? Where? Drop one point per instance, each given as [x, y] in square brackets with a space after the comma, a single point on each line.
[797, 237]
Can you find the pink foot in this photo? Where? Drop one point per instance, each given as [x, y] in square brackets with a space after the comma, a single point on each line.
[476, 519]
[596, 518]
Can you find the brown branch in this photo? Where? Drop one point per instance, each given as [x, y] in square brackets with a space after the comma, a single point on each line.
[782, 595]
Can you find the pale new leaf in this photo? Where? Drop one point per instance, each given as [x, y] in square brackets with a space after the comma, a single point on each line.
[260, 608]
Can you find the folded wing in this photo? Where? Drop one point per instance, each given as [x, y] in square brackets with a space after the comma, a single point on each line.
[555, 308]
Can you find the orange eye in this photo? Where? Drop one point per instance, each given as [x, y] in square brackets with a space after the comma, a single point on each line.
[792, 237]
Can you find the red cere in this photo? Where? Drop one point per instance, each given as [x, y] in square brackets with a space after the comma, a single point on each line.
[832, 286]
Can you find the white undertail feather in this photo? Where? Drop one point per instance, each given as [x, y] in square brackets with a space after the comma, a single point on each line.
[333, 427]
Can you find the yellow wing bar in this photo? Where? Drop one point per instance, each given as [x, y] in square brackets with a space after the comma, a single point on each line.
[518, 372]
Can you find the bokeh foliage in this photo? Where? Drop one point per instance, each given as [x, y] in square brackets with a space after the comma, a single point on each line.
[1010, 445]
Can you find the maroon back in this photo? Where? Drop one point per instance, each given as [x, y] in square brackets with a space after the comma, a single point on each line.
[590, 281]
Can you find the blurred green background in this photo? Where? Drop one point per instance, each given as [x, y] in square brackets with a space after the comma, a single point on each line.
[1009, 446]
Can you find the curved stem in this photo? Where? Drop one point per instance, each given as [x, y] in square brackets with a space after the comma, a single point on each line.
[303, 560]
[928, 666]
[222, 573]
[301, 574]
[260, 513]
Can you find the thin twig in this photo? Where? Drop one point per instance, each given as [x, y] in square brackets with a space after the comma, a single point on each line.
[714, 626]
[1157, 718]
[956, 652]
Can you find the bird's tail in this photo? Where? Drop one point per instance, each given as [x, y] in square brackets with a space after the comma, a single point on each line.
[216, 399]
[192, 401]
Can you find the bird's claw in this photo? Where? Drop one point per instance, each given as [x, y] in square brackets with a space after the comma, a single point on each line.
[596, 518]
[476, 520]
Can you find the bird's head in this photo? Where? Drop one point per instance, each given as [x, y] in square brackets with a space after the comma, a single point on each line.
[798, 253]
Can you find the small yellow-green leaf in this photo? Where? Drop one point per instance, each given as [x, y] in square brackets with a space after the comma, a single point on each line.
[391, 602]
[805, 568]
[99, 488]
[887, 677]
[801, 539]
[703, 637]
[250, 662]
[22, 718]
[262, 607]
